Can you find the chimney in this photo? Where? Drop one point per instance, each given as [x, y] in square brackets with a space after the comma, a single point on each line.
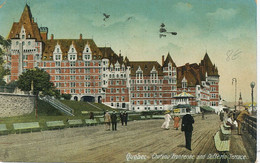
[162, 60]
[52, 36]
[44, 33]
[80, 36]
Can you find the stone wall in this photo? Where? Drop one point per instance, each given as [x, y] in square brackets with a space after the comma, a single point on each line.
[15, 105]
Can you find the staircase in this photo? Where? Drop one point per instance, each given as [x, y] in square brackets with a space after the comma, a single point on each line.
[58, 105]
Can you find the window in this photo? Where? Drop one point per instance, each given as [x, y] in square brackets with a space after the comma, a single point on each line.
[23, 43]
[117, 98]
[57, 71]
[73, 71]
[57, 57]
[72, 77]
[72, 91]
[29, 43]
[87, 49]
[72, 84]
[57, 63]
[22, 36]
[72, 63]
[87, 63]
[72, 57]
[17, 42]
[87, 57]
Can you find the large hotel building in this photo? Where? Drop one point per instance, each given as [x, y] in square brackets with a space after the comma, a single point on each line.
[97, 74]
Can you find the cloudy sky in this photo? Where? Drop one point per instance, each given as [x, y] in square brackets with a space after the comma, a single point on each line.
[225, 29]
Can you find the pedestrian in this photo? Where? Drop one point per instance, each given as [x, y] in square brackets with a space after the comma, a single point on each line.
[125, 117]
[202, 115]
[91, 115]
[240, 119]
[121, 117]
[114, 121]
[176, 120]
[107, 121]
[229, 121]
[187, 127]
[167, 119]
[221, 116]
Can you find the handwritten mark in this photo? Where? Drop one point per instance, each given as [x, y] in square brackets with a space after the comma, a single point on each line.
[2, 4]
[233, 54]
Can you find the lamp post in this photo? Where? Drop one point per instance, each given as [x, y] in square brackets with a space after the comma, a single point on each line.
[235, 80]
[252, 94]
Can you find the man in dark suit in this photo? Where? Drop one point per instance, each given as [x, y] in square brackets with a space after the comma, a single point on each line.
[187, 127]
[125, 116]
[114, 120]
[122, 117]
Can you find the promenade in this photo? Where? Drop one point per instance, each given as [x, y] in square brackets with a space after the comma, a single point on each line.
[142, 141]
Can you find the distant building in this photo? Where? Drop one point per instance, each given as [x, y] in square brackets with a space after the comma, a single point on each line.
[97, 74]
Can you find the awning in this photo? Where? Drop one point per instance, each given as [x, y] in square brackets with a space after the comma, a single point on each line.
[207, 108]
[184, 95]
[182, 106]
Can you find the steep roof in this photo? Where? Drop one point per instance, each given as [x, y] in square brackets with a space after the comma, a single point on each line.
[146, 67]
[79, 44]
[168, 60]
[108, 53]
[191, 74]
[208, 66]
[28, 23]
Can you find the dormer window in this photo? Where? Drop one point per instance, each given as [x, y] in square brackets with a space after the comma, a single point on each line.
[29, 35]
[22, 36]
[87, 49]
[72, 50]
[72, 57]
[57, 57]
[58, 50]
[17, 36]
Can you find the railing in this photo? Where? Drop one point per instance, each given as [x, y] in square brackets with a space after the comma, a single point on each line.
[58, 105]
[250, 124]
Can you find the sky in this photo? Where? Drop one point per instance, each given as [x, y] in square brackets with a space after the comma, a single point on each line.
[226, 30]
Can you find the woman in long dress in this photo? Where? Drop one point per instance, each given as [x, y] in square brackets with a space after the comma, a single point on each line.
[167, 119]
[176, 120]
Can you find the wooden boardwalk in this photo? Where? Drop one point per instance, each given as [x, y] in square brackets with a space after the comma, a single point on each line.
[143, 140]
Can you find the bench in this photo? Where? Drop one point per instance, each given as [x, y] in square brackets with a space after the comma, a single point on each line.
[221, 145]
[225, 134]
[142, 117]
[84, 112]
[75, 122]
[158, 116]
[101, 120]
[55, 124]
[3, 129]
[148, 117]
[90, 122]
[26, 126]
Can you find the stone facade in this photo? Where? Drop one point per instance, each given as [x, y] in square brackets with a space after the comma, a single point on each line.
[15, 105]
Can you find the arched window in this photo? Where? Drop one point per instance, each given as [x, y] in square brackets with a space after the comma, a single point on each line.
[23, 43]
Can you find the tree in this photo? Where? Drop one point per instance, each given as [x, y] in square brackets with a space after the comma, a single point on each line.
[4, 46]
[36, 79]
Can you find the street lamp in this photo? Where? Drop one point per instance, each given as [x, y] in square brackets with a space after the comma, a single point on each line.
[235, 80]
[252, 86]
